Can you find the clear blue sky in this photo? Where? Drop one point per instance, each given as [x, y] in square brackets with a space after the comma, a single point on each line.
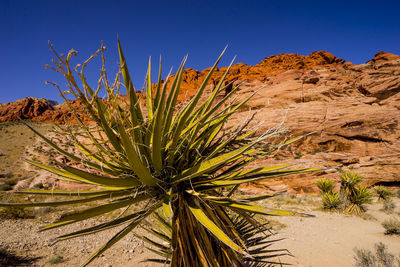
[353, 30]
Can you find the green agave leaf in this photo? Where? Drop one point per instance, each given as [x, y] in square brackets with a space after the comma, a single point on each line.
[210, 100]
[162, 222]
[210, 226]
[102, 180]
[95, 211]
[262, 197]
[66, 202]
[256, 209]
[69, 155]
[112, 137]
[76, 175]
[157, 136]
[210, 164]
[66, 193]
[113, 240]
[158, 88]
[135, 160]
[256, 177]
[160, 253]
[137, 116]
[149, 93]
[189, 109]
[168, 127]
[156, 244]
[167, 209]
[245, 173]
[102, 227]
[158, 234]
[290, 141]
[161, 261]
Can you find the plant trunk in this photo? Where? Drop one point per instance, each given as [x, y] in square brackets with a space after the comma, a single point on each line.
[193, 245]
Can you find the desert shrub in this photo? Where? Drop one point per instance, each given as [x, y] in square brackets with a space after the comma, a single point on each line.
[378, 258]
[9, 259]
[398, 193]
[331, 200]
[5, 187]
[56, 259]
[364, 258]
[392, 226]
[173, 161]
[325, 185]
[6, 175]
[298, 155]
[383, 193]
[15, 212]
[388, 206]
[38, 186]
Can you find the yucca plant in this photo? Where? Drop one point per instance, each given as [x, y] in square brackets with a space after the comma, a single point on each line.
[353, 194]
[325, 185]
[383, 193]
[360, 196]
[178, 159]
[349, 180]
[348, 183]
[331, 200]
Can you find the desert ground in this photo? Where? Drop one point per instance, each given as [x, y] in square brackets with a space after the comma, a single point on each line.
[328, 239]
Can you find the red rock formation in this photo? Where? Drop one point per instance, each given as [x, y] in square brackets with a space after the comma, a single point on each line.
[354, 111]
[270, 66]
[39, 110]
[27, 108]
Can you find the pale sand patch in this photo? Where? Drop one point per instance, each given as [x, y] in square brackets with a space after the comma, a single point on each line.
[330, 238]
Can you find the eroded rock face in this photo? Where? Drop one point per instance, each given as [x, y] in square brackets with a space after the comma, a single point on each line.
[31, 108]
[270, 66]
[353, 110]
[27, 108]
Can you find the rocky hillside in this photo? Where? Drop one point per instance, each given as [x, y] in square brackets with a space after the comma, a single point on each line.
[354, 111]
[35, 109]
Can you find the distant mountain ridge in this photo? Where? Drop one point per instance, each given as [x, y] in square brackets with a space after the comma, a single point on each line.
[44, 110]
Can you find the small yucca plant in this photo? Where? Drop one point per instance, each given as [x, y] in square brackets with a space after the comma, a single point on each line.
[361, 195]
[331, 200]
[325, 185]
[178, 160]
[353, 194]
[383, 193]
[349, 180]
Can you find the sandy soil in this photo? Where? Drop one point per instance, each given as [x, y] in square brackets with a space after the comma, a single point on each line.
[328, 239]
